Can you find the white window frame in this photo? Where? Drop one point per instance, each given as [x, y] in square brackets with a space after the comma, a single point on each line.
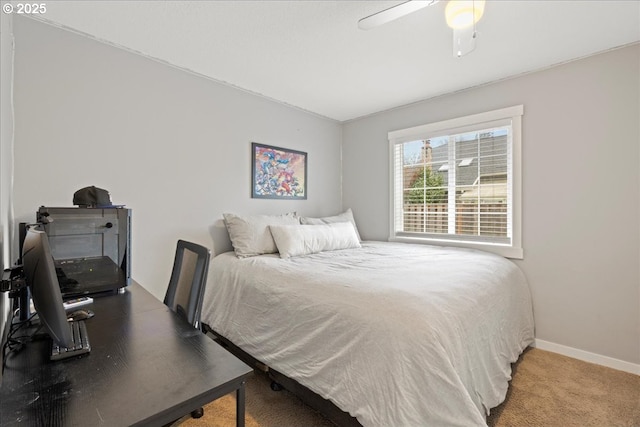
[510, 115]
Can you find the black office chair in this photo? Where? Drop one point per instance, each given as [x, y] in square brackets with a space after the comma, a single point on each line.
[188, 280]
[186, 286]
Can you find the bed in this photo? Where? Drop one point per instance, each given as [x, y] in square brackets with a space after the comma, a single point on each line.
[393, 334]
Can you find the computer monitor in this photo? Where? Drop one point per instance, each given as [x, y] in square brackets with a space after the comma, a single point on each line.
[40, 275]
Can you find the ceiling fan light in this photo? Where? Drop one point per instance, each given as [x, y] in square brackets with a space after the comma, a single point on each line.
[463, 13]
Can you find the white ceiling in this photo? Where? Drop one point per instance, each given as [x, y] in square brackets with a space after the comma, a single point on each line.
[311, 54]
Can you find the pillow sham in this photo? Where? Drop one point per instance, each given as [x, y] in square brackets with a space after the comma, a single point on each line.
[250, 234]
[295, 240]
[346, 216]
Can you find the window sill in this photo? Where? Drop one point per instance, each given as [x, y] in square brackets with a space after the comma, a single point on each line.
[502, 250]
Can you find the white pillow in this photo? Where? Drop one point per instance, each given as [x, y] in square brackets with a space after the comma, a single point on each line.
[250, 235]
[294, 240]
[346, 216]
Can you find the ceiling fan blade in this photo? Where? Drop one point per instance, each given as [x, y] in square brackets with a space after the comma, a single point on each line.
[393, 13]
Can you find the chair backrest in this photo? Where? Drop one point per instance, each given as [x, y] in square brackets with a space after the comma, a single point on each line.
[188, 280]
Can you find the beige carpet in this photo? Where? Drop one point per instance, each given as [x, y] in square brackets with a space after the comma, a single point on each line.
[547, 390]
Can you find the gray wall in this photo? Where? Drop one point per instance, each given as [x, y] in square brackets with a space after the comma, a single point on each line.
[581, 194]
[173, 146]
[6, 153]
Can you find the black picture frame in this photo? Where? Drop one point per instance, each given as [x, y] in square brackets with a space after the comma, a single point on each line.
[278, 173]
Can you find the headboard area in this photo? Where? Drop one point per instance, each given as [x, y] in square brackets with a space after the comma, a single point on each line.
[220, 238]
[251, 232]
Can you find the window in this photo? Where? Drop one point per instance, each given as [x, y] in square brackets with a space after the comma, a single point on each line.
[458, 182]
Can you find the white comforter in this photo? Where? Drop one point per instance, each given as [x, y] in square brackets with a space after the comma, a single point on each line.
[395, 334]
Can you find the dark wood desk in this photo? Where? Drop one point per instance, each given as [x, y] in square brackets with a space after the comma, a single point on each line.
[146, 367]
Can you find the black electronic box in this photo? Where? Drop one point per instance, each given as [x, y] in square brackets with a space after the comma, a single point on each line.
[91, 248]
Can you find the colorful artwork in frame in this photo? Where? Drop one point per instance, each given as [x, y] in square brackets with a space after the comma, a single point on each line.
[278, 173]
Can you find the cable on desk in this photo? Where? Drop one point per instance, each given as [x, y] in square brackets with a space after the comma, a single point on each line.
[15, 343]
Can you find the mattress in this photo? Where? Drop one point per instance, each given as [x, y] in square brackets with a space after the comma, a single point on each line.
[394, 334]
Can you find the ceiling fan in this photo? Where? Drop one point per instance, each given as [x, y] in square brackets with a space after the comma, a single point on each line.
[461, 15]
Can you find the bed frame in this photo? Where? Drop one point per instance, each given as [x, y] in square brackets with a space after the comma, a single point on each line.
[279, 381]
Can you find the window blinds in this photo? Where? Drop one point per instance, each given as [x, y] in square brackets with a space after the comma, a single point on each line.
[455, 183]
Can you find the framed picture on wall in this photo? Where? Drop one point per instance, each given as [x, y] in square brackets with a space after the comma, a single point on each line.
[278, 173]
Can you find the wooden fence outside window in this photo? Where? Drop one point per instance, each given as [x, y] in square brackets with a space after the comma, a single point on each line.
[434, 218]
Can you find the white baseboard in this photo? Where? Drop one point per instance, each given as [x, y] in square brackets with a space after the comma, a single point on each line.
[586, 356]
